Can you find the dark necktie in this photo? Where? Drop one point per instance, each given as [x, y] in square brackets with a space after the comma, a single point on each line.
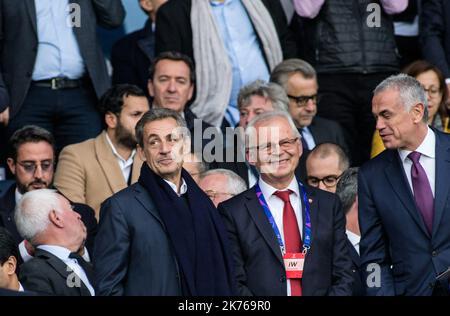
[422, 191]
[304, 143]
[292, 238]
[83, 264]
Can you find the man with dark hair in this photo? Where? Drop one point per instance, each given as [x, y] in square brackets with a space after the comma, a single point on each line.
[347, 190]
[91, 171]
[31, 160]
[131, 56]
[162, 235]
[325, 165]
[171, 85]
[9, 256]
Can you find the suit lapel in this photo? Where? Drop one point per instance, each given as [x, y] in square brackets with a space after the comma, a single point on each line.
[143, 197]
[31, 8]
[136, 171]
[258, 216]
[442, 185]
[109, 164]
[353, 254]
[313, 213]
[396, 177]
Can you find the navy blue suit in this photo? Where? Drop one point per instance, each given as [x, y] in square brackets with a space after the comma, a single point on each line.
[393, 232]
[257, 256]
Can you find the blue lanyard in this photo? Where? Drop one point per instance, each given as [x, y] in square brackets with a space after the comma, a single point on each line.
[307, 226]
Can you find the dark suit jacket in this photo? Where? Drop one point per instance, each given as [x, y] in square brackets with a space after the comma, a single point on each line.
[358, 287]
[46, 274]
[132, 254]
[327, 131]
[8, 204]
[19, 42]
[393, 232]
[258, 260]
[131, 57]
[435, 33]
[173, 27]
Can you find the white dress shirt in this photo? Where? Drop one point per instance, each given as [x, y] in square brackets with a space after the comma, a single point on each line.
[276, 206]
[354, 239]
[63, 254]
[21, 289]
[427, 159]
[183, 187]
[125, 165]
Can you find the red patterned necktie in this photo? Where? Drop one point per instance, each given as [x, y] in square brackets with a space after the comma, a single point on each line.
[292, 238]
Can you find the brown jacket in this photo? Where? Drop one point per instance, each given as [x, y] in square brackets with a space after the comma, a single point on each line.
[88, 172]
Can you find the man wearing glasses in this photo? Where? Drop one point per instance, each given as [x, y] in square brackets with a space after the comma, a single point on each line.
[287, 238]
[31, 161]
[299, 80]
[325, 165]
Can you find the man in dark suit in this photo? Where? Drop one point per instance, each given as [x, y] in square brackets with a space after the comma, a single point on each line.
[299, 80]
[274, 224]
[162, 235]
[54, 83]
[403, 196]
[228, 52]
[131, 56]
[31, 161]
[347, 190]
[47, 221]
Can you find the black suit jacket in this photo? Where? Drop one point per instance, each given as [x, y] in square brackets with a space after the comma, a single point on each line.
[358, 287]
[393, 233]
[173, 28]
[327, 131]
[258, 260]
[46, 274]
[19, 42]
[132, 253]
[8, 204]
[131, 57]
[435, 33]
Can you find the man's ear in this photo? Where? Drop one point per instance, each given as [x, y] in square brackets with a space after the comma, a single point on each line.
[418, 112]
[12, 165]
[141, 153]
[111, 120]
[10, 265]
[151, 88]
[56, 219]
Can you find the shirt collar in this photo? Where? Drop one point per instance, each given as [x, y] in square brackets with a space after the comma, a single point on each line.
[268, 190]
[117, 154]
[183, 188]
[18, 196]
[219, 3]
[21, 289]
[58, 251]
[426, 148]
[354, 239]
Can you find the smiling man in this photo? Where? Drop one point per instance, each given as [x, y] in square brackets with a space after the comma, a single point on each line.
[272, 225]
[403, 196]
[162, 235]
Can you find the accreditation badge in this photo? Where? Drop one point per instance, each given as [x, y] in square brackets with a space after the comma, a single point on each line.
[293, 263]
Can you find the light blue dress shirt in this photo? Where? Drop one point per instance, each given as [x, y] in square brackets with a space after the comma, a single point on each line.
[242, 45]
[309, 139]
[58, 53]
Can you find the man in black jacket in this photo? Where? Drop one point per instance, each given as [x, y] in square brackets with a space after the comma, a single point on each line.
[31, 161]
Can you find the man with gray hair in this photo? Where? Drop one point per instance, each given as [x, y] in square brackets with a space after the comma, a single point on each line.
[347, 190]
[266, 223]
[403, 196]
[221, 184]
[46, 219]
[162, 235]
[299, 80]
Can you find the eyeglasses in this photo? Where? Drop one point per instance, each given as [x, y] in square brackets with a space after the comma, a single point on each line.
[432, 91]
[302, 100]
[328, 181]
[270, 147]
[214, 194]
[31, 166]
